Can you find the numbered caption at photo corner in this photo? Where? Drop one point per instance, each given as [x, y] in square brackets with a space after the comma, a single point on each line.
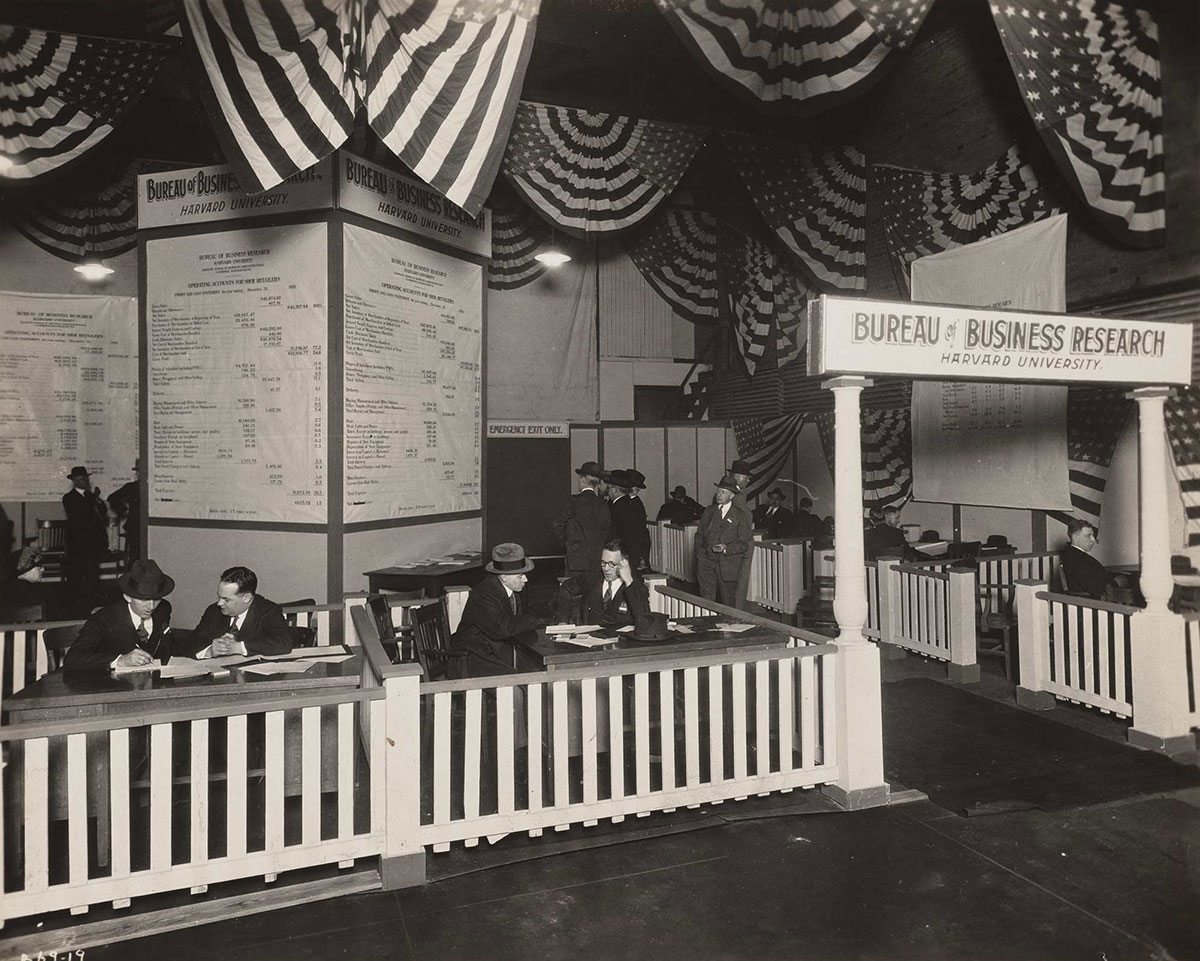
[65, 955]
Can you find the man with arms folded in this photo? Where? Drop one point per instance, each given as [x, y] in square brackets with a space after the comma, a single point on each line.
[611, 597]
[241, 621]
[133, 632]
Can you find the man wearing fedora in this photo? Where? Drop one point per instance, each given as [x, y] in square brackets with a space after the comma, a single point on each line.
[86, 539]
[611, 596]
[494, 614]
[739, 470]
[629, 517]
[583, 527]
[722, 542]
[773, 517]
[679, 508]
[132, 632]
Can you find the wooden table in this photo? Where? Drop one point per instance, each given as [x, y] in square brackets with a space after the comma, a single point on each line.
[430, 578]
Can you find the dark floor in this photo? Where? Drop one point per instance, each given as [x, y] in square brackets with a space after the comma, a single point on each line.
[1100, 881]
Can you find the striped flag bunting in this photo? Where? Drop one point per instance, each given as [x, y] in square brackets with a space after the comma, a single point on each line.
[816, 201]
[439, 80]
[595, 173]
[926, 212]
[517, 235]
[62, 95]
[795, 57]
[1183, 430]
[1095, 417]
[765, 446]
[886, 453]
[1088, 71]
[676, 251]
[767, 303]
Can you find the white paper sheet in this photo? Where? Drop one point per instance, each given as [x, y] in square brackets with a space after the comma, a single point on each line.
[278, 667]
[585, 640]
[571, 628]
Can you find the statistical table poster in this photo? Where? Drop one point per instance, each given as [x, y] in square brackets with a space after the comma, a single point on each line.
[413, 379]
[68, 392]
[238, 380]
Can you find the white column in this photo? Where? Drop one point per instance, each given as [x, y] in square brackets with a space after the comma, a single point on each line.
[850, 580]
[1156, 580]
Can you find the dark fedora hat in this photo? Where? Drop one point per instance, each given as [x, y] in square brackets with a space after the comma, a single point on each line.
[636, 478]
[145, 581]
[78, 471]
[996, 540]
[619, 478]
[509, 559]
[775, 492]
[740, 467]
[650, 627]
[679, 492]
[590, 469]
[729, 483]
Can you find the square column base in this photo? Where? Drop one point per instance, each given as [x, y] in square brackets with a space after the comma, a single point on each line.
[859, 799]
[963, 673]
[1179, 744]
[1035, 700]
[406, 871]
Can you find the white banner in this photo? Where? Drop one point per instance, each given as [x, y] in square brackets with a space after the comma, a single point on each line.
[994, 444]
[68, 392]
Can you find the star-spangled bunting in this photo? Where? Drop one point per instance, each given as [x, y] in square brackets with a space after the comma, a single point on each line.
[439, 79]
[517, 235]
[595, 173]
[767, 303]
[676, 251]
[926, 212]
[1183, 429]
[1095, 417]
[795, 57]
[765, 446]
[1088, 71]
[814, 199]
[886, 454]
[61, 95]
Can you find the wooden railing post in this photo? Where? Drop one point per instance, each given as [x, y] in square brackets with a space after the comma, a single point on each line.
[859, 727]
[1159, 667]
[402, 863]
[1033, 639]
[962, 590]
[349, 602]
[889, 604]
[653, 582]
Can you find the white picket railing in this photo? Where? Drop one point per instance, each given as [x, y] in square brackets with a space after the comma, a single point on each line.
[23, 655]
[317, 616]
[781, 574]
[677, 546]
[873, 628]
[925, 610]
[999, 572]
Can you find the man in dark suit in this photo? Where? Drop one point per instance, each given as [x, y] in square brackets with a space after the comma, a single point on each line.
[126, 503]
[133, 632]
[629, 517]
[583, 527]
[1081, 572]
[680, 509]
[773, 517]
[722, 541]
[886, 537]
[494, 614]
[241, 621]
[739, 470]
[86, 539]
[804, 522]
[611, 597]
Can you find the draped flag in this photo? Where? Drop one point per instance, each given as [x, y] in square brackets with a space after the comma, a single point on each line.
[886, 454]
[1095, 417]
[1183, 429]
[765, 446]
[676, 251]
[814, 199]
[926, 212]
[517, 234]
[591, 172]
[795, 56]
[61, 95]
[767, 303]
[439, 80]
[1089, 73]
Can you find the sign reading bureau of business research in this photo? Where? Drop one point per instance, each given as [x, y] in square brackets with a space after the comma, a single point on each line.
[851, 336]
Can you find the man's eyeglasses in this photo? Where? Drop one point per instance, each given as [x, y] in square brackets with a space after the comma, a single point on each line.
[610, 563]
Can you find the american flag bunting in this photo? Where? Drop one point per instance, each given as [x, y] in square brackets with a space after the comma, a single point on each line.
[797, 57]
[886, 453]
[517, 235]
[1088, 71]
[768, 304]
[62, 94]
[1095, 417]
[1183, 430]
[815, 199]
[765, 446]
[676, 251]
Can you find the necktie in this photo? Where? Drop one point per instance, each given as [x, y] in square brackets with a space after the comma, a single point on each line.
[142, 633]
[608, 591]
[233, 628]
[513, 600]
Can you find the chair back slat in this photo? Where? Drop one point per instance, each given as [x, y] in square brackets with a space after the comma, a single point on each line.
[431, 634]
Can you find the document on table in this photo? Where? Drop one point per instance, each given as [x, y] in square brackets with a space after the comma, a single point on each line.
[735, 628]
[571, 628]
[139, 669]
[585, 640]
[190, 667]
[278, 667]
[329, 651]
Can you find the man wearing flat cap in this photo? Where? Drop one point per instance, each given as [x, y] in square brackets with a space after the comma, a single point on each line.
[86, 539]
[722, 542]
[134, 631]
[629, 517]
[495, 614]
[583, 527]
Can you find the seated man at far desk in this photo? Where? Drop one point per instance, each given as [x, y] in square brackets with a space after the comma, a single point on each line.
[1082, 573]
[611, 597]
[242, 621]
[494, 614]
[133, 632]
[886, 538]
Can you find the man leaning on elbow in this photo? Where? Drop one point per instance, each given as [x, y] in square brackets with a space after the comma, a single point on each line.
[241, 621]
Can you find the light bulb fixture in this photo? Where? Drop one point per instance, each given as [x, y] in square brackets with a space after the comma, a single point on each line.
[93, 270]
[552, 255]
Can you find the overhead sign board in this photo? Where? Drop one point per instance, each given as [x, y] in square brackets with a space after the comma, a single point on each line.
[852, 336]
[524, 430]
[393, 198]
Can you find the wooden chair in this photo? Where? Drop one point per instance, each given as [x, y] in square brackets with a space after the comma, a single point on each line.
[57, 640]
[52, 536]
[963, 550]
[303, 602]
[431, 632]
[996, 624]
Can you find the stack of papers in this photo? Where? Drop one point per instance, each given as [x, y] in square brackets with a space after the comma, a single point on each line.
[584, 640]
[278, 667]
[572, 628]
[735, 628]
[190, 667]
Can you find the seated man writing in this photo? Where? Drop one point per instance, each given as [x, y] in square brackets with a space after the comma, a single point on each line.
[241, 621]
[133, 632]
[494, 614]
[1082, 573]
[611, 597]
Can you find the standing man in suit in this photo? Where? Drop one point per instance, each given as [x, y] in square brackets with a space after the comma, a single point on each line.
[494, 614]
[773, 517]
[583, 527]
[722, 542]
[133, 632]
[739, 470]
[86, 539]
[241, 621]
[612, 596]
[126, 502]
[629, 517]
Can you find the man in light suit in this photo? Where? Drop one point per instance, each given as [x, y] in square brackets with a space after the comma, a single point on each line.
[612, 597]
[133, 632]
[722, 542]
[583, 527]
[241, 621]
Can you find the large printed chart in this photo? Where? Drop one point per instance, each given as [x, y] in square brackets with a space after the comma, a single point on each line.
[68, 392]
[413, 388]
[237, 335]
